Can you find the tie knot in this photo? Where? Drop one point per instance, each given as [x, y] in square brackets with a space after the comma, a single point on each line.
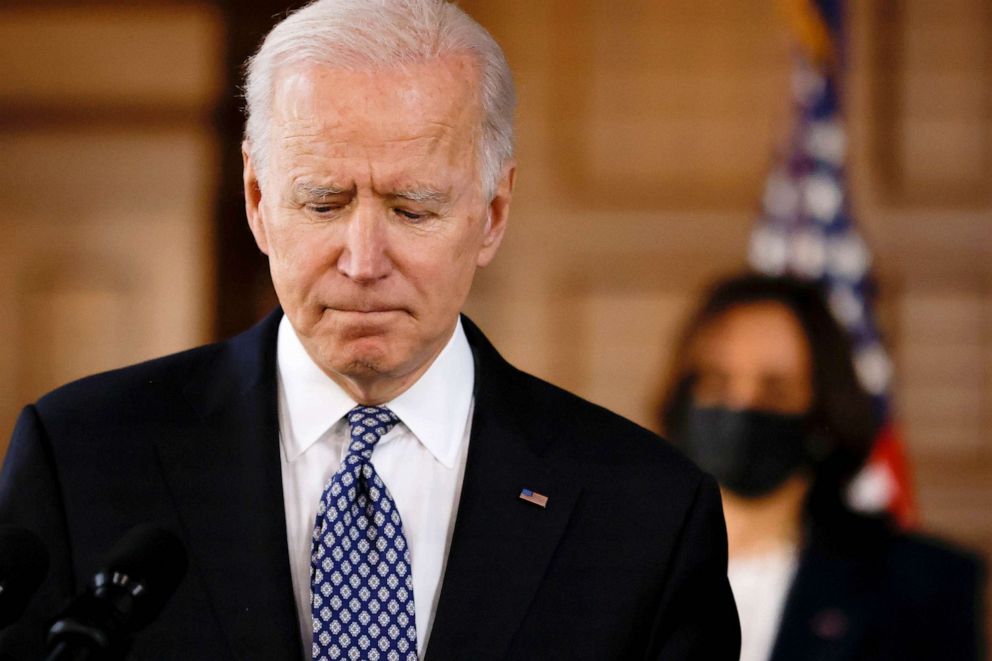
[369, 424]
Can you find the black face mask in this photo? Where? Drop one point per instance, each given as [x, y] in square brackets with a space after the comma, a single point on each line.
[749, 452]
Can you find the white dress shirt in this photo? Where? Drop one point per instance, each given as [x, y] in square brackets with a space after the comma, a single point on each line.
[760, 583]
[421, 460]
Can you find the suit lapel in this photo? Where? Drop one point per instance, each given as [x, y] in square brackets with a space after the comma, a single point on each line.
[226, 482]
[502, 544]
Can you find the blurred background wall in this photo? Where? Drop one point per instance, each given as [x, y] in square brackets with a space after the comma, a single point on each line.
[645, 132]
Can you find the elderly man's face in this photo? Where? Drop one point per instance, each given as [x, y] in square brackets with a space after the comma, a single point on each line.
[373, 215]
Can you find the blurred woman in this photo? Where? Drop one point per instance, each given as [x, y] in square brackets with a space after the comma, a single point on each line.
[764, 396]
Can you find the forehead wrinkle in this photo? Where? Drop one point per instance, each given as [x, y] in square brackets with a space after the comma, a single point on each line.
[306, 138]
[314, 126]
[328, 129]
[442, 138]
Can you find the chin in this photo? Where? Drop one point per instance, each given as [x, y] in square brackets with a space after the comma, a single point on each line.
[363, 369]
[365, 357]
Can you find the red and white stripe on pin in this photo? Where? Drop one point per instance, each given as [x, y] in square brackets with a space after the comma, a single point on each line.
[538, 499]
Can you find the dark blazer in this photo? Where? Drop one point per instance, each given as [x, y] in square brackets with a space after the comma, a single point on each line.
[863, 591]
[628, 560]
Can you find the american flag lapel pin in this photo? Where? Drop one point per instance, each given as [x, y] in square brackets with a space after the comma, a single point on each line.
[538, 499]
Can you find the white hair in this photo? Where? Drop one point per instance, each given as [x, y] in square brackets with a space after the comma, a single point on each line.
[378, 34]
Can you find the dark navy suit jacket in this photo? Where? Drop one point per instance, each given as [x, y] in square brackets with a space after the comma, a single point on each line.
[864, 591]
[628, 560]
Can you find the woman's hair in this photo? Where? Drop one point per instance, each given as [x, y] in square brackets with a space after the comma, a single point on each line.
[841, 413]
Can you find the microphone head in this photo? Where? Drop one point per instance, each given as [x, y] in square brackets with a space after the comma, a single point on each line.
[142, 571]
[23, 566]
[148, 562]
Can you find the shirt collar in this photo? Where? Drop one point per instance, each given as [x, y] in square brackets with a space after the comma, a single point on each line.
[435, 409]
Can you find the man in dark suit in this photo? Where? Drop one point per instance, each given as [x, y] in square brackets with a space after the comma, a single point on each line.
[361, 475]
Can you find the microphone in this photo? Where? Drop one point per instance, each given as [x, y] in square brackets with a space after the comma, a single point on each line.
[23, 566]
[142, 571]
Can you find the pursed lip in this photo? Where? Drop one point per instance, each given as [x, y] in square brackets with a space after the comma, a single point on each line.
[365, 310]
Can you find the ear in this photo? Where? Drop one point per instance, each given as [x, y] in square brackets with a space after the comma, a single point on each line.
[253, 200]
[498, 215]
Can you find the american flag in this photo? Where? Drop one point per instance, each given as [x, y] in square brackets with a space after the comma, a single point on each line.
[531, 496]
[806, 229]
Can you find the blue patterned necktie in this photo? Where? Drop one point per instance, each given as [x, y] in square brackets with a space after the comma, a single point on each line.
[361, 586]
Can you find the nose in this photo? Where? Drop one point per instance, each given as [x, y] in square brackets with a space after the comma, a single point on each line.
[733, 391]
[364, 257]
[742, 393]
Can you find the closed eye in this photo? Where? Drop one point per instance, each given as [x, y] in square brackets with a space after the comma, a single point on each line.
[409, 215]
[323, 208]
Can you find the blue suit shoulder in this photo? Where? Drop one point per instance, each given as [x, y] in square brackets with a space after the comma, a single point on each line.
[115, 388]
[573, 432]
[878, 538]
[162, 384]
[926, 567]
[598, 433]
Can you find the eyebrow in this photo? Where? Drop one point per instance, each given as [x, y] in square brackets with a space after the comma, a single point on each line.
[308, 191]
[421, 195]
